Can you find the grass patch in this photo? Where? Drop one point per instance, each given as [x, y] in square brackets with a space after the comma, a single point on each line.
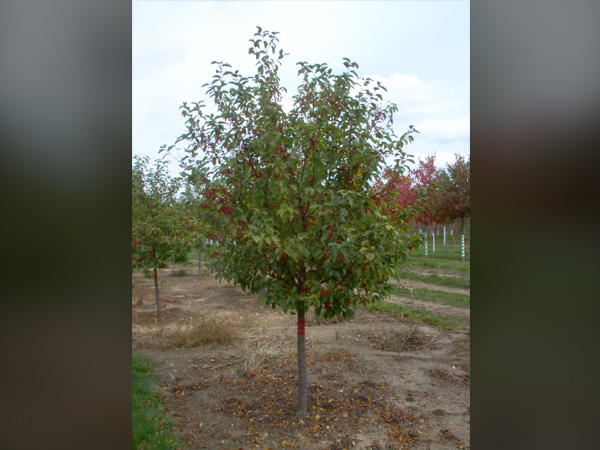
[444, 264]
[447, 298]
[436, 279]
[201, 331]
[420, 315]
[151, 426]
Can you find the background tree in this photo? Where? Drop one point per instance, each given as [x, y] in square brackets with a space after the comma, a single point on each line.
[400, 200]
[162, 228]
[288, 197]
[412, 198]
[454, 196]
[190, 201]
[424, 180]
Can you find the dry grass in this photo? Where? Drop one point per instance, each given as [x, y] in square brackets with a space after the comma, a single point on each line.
[180, 273]
[257, 350]
[139, 292]
[263, 350]
[203, 331]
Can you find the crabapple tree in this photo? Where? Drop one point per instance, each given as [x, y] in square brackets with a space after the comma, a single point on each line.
[288, 197]
[162, 228]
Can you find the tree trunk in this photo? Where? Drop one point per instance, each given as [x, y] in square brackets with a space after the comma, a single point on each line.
[302, 381]
[199, 263]
[157, 296]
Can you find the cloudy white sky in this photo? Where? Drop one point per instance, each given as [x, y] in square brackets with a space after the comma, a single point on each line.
[419, 50]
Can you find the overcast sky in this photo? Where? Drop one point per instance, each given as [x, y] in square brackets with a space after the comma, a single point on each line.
[419, 50]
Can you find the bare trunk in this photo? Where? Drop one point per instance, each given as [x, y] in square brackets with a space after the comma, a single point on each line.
[199, 263]
[157, 296]
[302, 381]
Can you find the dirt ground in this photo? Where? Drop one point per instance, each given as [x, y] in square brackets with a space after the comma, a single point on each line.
[375, 382]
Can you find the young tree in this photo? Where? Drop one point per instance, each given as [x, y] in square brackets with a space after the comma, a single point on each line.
[288, 197]
[162, 228]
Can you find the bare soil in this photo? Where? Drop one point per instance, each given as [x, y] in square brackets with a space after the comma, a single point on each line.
[375, 382]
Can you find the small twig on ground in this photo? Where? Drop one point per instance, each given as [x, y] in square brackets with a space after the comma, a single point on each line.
[431, 342]
[376, 400]
[435, 363]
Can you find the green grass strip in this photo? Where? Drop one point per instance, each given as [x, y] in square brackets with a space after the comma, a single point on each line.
[446, 264]
[447, 298]
[151, 428]
[420, 315]
[451, 253]
[436, 279]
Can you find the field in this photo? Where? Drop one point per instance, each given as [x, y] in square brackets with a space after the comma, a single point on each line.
[397, 376]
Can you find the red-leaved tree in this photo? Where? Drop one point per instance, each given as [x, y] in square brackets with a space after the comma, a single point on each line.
[424, 178]
[412, 198]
